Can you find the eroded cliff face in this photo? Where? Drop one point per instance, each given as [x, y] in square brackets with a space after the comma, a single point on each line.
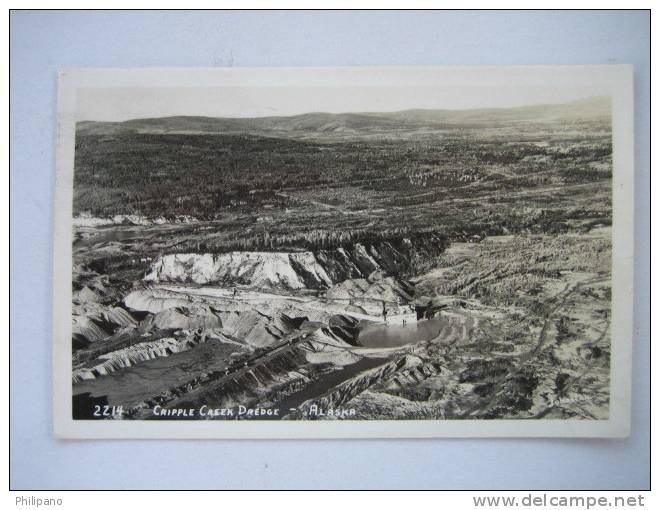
[296, 270]
[282, 270]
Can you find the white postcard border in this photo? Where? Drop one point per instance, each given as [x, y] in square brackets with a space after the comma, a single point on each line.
[620, 80]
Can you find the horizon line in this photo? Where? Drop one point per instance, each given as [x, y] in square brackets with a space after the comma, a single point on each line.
[363, 112]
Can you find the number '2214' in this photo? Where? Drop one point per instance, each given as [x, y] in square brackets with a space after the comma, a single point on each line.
[107, 411]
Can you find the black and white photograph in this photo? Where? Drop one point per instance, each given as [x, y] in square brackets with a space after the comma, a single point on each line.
[405, 246]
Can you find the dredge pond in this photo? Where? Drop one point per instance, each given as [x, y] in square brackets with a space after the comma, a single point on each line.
[383, 335]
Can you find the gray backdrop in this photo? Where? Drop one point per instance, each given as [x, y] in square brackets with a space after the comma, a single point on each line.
[43, 42]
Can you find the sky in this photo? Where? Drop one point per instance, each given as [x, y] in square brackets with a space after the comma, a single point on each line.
[246, 95]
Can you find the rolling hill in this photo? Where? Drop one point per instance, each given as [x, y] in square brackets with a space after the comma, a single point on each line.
[317, 125]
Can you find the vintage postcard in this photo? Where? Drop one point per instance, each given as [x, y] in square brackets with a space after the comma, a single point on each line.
[344, 252]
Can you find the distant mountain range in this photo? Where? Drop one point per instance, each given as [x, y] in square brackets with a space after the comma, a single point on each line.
[310, 125]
